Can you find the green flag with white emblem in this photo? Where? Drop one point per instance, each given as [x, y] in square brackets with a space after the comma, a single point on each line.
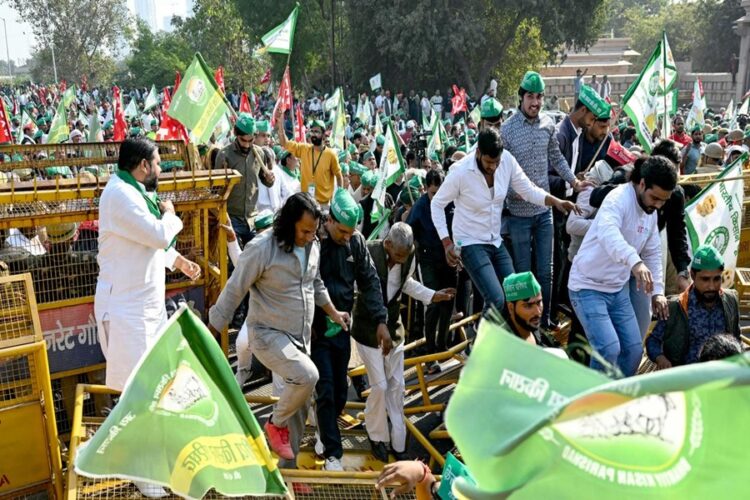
[533, 425]
[58, 129]
[151, 100]
[183, 423]
[391, 167]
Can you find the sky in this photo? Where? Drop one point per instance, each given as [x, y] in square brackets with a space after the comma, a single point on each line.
[21, 41]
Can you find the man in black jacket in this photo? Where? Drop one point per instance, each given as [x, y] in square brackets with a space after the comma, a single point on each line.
[344, 261]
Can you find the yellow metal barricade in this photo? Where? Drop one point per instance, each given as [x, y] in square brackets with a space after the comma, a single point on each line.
[30, 461]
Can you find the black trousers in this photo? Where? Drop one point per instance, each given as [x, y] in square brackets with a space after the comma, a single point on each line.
[331, 357]
[437, 274]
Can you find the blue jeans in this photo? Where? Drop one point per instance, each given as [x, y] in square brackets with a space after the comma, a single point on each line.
[535, 233]
[487, 266]
[611, 327]
[242, 230]
[641, 306]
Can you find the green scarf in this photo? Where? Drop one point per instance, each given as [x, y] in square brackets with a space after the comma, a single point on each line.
[152, 199]
[294, 175]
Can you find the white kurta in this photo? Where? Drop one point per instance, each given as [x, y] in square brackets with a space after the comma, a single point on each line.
[273, 198]
[129, 301]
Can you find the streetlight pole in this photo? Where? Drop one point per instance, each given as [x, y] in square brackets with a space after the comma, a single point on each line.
[7, 50]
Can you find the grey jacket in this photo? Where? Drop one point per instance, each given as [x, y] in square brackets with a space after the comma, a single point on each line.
[244, 195]
[282, 297]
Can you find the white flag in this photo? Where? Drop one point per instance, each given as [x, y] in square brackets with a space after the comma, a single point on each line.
[391, 167]
[375, 82]
[280, 39]
[714, 216]
[696, 114]
[151, 100]
[131, 111]
[332, 102]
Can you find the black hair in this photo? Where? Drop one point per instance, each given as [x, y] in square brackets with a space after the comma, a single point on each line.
[578, 105]
[668, 149]
[410, 155]
[719, 347]
[356, 135]
[295, 207]
[658, 171]
[450, 150]
[627, 134]
[448, 163]
[635, 177]
[490, 143]
[133, 151]
[433, 178]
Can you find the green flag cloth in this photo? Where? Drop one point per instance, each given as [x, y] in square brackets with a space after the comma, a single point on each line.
[132, 110]
[339, 121]
[641, 101]
[439, 137]
[476, 114]
[95, 128]
[83, 118]
[532, 425]
[58, 130]
[151, 100]
[182, 422]
[199, 103]
[375, 234]
[280, 39]
[69, 96]
[714, 216]
[391, 167]
[26, 121]
[745, 108]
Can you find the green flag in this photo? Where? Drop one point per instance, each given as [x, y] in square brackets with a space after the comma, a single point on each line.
[25, 120]
[714, 216]
[391, 167]
[641, 101]
[280, 39]
[426, 125]
[745, 108]
[339, 121]
[83, 118]
[58, 130]
[378, 125]
[476, 115]
[199, 103]
[95, 129]
[439, 137]
[69, 96]
[132, 110]
[151, 100]
[532, 425]
[182, 422]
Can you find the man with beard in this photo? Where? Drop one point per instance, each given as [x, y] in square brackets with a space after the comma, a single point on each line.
[248, 159]
[319, 165]
[691, 154]
[699, 313]
[137, 232]
[623, 240]
[679, 135]
[523, 306]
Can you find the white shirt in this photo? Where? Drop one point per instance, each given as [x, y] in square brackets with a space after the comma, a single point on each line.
[412, 287]
[146, 121]
[621, 236]
[476, 220]
[292, 184]
[356, 193]
[272, 198]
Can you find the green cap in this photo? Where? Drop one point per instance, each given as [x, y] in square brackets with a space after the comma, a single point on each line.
[154, 122]
[380, 140]
[696, 128]
[711, 138]
[352, 149]
[108, 125]
[343, 207]
[491, 108]
[369, 179]
[277, 150]
[318, 123]
[264, 219]
[521, 286]
[408, 196]
[434, 156]
[342, 155]
[41, 121]
[356, 168]
[344, 168]
[38, 134]
[532, 82]
[262, 126]
[135, 131]
[367, 155]
[447, 123]
[706, 258]
[593, 101]
[415, 182]
[245, 124]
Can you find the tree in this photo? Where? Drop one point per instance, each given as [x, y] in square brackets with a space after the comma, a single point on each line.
[156, 57]
[718, 41]
[85, 34]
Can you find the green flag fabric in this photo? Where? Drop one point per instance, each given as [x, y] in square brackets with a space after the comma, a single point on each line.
[58, 129]
[26, 120]
[69, 96]
[95, 128]
[641, 101]
[151, 100]
[182, 422]
[199, 103]
[391, 167]
[714, 216]
[532, 425]
[438, 138]
[745, 108]
[281, 39]
[339, 121]
[132, 110]
[476, 114]
[696, 116]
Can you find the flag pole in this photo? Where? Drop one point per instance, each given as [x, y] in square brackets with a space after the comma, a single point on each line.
[664, 69]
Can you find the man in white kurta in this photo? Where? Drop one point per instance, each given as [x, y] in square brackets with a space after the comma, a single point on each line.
[130, 291]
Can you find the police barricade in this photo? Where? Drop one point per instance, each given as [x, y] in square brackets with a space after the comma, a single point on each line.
[305, 482]
[30, 462]
[49, 197]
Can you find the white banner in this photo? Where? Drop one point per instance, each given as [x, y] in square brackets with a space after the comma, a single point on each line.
[375, 82]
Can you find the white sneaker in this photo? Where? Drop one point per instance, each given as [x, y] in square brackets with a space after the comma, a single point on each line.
[319, 448]
[242, 375]
[333, 464]
[150, 490]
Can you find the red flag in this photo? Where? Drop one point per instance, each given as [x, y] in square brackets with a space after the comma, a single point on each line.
[5, 134]
[300, 131]
[458, 101]
[120, 126]
[266, 77]
[84, 83]
[245, 104]
[618, 153]
[169, 128]
[63, 86]
[219, 77]
[285, 96]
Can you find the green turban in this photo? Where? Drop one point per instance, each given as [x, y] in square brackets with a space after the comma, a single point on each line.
[521, 286]
[262, 126]
[352, 149]
[263, 220]
[356, 168]
[380, 140]
[447, 123]
[593, 101]
[318, 123]
[277, 150]
[344, 168]
[135, 131]
[696, 128]
[344, 209]
[342, 156]
[154, 122]
[707, 258]
[367, 155]
[532, 82]
[369, 179]
[408, 196]
[415, 182]
[38, 134]
[491, 108]
[711, 138]
[245, 124]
